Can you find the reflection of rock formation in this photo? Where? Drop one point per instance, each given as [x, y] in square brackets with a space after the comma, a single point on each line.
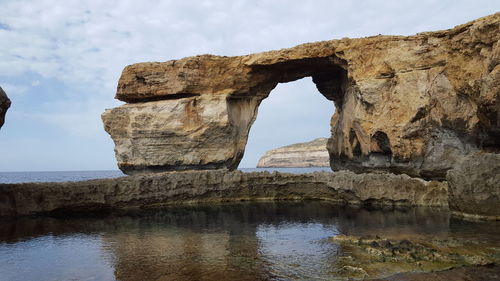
[187, 244]
[4, 105]
[223, 242]
[411, 104]
[306, 154]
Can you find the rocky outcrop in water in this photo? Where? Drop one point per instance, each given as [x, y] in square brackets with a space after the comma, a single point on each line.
[474, 187]
[306, 154]
[381, 256]
[4, 105]
[407, 104]
[465, 273]
[219, 186]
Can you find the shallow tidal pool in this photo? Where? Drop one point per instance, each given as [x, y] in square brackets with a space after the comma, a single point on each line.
[240, 241]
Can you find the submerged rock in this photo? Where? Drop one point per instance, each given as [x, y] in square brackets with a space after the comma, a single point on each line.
[474, 187]
[380, 257]
[218, 186]
[306, 154]
[4, 105]
[464, 273]
[406, 104]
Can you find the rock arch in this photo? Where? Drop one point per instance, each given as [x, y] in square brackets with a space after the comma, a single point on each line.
[427, 93]
[203, 123]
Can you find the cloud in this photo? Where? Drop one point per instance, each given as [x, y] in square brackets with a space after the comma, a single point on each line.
[91, 41]
[84, 45]
[79, 119]
[14, 90]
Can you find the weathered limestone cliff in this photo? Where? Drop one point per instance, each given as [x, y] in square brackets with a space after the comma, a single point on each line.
[219, 186]
[4, 105]
[306, 154]
[412, 104]
[474, 187]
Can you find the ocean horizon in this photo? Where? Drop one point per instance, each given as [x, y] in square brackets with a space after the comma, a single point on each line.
[62, 176]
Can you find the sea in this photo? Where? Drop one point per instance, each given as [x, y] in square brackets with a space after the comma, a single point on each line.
[61, 176]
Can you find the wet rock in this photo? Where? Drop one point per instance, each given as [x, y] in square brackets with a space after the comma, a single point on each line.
[219, 186]
[465, 273]
[383, 256]
[4, 105]
[353, 271]
[306, 154]
[411, 105]
[474, 187]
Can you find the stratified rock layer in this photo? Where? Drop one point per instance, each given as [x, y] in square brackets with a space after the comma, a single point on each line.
[4, 105]
[217, 186]
[306, 154]
[412, 105]
[474, 186]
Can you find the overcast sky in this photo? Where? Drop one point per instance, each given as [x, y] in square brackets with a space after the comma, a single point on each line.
[60, 62]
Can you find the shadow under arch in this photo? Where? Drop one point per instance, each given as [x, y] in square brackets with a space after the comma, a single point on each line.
[329, 74]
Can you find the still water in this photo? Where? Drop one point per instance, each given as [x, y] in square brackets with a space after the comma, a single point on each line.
[239, 241]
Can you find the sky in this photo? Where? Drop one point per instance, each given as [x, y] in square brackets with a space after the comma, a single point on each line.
[60, 62]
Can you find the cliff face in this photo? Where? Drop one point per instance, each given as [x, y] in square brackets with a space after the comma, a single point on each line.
[410, 105]
[306, 154]
[474, 186]
[4, 105]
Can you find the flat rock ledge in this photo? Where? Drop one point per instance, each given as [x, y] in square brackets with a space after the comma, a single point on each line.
[170, 188]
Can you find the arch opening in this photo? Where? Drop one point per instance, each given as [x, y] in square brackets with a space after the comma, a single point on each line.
[294, 113]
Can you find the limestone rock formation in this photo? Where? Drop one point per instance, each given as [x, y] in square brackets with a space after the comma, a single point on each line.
[4, 105]
[474, 187]
[219, 186]
[306, 154]
[376, 256]
[407, 104]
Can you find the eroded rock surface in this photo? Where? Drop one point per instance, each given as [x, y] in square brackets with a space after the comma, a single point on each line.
[465, 273]
[372, 257]
[218, 186]
[306, 154]
[474, 187]
[4, 105]
[412, 104]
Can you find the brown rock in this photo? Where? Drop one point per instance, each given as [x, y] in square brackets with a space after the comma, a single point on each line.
[4, 105]
[410, 105]
[219, 186]
[474, 186]
[306, 154]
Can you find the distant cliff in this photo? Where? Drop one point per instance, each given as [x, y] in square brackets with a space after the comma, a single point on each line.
[306, 154]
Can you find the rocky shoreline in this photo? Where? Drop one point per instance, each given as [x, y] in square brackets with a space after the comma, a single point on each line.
[187, 187]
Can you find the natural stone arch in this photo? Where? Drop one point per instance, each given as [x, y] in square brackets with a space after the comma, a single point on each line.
[434, 95]
[204, 124]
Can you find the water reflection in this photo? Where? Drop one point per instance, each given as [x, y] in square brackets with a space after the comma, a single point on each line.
[248, 241]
